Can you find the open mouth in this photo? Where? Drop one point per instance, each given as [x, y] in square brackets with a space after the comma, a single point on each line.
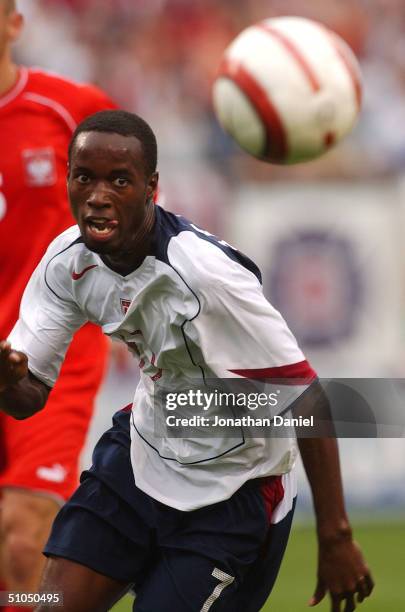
[101, 228]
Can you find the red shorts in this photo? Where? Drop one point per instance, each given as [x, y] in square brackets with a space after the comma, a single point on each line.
[42, 453]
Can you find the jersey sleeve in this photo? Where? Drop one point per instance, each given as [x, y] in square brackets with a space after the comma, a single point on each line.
[45, 326]
[241, 334]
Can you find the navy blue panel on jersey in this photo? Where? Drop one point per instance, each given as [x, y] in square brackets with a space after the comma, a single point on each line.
[169, 225]
[215, 557]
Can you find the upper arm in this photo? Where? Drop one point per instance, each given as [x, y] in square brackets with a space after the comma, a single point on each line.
[241, 333]
[46, 324]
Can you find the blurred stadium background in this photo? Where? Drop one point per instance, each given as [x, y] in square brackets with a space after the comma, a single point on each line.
[328, 235]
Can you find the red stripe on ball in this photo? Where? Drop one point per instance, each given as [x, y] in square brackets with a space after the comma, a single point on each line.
[276, 138]
[294, 51]
[344, 52]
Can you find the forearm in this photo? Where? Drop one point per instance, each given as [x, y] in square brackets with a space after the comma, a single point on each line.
[342, 570]
[320, 457]
[24, 398]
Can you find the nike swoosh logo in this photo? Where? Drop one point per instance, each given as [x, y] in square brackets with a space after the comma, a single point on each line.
[78, 275]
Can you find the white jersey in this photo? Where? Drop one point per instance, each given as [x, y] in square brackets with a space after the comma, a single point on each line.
[194, 309]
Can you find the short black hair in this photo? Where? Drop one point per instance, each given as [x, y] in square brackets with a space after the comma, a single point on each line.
[123, 123]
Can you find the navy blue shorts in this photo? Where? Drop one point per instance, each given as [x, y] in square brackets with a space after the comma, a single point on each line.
[224, 557]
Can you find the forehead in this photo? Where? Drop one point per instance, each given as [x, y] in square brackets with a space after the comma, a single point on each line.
[92, 147]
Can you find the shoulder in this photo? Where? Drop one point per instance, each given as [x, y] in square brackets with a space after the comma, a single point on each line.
[64, 242]
[198, 256]
[76, 99]
[64, 261]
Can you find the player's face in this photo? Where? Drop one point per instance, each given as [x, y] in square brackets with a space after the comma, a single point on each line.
[110, 192]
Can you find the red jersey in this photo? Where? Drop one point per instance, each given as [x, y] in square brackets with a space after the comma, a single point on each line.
[37, 119]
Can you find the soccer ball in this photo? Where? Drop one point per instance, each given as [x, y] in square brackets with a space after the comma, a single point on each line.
[287, 89]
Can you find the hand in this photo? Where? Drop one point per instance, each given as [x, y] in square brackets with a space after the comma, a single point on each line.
[343, 572]
[13, 365]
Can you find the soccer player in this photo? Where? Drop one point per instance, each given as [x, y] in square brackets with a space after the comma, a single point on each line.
[194, 524]
[38, 458]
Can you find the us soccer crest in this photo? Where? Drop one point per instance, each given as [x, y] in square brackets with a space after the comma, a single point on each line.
[39, 166]
[125, 304]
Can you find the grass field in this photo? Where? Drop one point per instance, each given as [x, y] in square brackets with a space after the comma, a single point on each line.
[384, 547]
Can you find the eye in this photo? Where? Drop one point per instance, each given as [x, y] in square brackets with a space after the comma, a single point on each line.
[83, 179]
[121, 182]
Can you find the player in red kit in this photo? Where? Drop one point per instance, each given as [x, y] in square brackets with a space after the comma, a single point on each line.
[38, 457]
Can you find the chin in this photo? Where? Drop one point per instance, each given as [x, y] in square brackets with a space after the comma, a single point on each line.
[98, 247]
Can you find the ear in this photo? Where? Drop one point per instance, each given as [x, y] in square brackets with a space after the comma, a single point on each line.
[15, 23]
[152, 187]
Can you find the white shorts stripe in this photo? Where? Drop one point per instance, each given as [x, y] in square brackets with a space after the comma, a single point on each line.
[289, 482]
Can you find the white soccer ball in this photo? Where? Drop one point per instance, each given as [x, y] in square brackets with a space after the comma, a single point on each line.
[287, 89]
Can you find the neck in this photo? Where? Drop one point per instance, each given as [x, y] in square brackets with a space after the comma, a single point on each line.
[8, 74]
[127, 262]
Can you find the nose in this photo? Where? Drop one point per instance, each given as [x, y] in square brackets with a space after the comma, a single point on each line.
[99, 197]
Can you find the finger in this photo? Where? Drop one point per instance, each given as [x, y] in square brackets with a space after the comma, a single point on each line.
[350, 604]
[370, 583]
[14, 367]
[365, 585]
[5, 347]
[362, 589]
[336, 599]
[360, 596]
[319, 594]
[16, 358]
